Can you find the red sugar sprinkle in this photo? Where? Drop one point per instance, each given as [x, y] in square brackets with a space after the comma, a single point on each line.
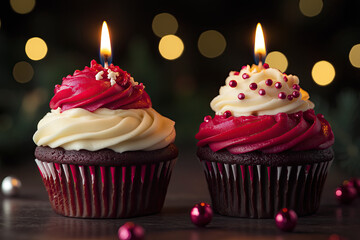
[207, 118]
[232, 83]
[243, 67]
[262, 92]
[285, 78]
[241, 96]
[282, 95]
[227, 114]
[253, 86]
[296, 87]
[236, 73]
[278, 85]
[296, 94]
[266, 66]
[290, 97]
[245, 76]
[269, 82]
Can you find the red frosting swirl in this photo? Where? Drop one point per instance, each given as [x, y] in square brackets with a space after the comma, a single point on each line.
[82, 90]
[267, 133]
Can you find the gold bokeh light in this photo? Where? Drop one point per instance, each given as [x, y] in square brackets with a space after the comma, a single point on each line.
[164, 24]
[171, 47]
[211, 44]
[36, 48]
[22, 6]
[354, 56]
[310, 8]
[323, 73]
[23, 72]
[277, 60]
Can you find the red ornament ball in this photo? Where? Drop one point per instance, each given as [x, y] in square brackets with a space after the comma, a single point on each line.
[286, 220]
[131, 231]
[346, 193]
[201, 214]
[355, 182]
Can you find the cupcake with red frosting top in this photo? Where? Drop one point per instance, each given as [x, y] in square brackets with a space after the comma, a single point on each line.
[265, 148]
[103, 151]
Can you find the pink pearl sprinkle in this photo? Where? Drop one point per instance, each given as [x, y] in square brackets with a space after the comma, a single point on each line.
[268, 82]
[245, 76]
[236, 73]
[285, 78]
[290, 97]
[232, 83]
[266, 66]
[296, 87]
[278, 85]
[241, 96]
[262, 92]
[253, 86]
[282, 95]
[296, 94]
[227, 114]
[207, 118]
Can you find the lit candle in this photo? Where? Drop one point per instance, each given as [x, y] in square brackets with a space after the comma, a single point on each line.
[105, 45]
[259, 49]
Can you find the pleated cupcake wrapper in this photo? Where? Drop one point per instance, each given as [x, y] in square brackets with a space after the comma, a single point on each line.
[260, 191]
[106, 192]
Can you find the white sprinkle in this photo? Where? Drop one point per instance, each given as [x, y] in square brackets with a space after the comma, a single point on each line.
[112, 76]
[99, 76]
[133, 82]
[112, 82]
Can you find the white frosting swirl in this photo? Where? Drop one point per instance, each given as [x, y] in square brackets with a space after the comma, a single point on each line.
[119, 130]
[254, 103]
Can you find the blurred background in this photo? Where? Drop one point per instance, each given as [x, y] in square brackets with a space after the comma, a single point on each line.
[182, 51]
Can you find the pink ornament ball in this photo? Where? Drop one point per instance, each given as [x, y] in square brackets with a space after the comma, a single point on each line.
[286, 220]
[131, 231]
[201, 214]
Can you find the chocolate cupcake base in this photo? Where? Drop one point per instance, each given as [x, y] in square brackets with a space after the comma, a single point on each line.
[122, 190]
[292, 180]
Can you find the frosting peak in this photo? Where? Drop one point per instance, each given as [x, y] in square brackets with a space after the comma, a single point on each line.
[98, 87]
[258, 91]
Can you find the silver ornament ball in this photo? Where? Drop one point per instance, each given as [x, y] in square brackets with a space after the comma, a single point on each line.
[10, 186]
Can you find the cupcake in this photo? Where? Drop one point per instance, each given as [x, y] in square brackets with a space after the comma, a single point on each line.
[103, 151]
[265, 148]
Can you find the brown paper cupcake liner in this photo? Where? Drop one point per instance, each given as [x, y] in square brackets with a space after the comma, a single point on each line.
[106, 191]
[258, 191]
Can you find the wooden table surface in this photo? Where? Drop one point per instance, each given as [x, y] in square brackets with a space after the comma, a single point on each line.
[29, 216]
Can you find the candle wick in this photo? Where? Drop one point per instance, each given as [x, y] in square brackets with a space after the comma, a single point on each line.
[106, 65]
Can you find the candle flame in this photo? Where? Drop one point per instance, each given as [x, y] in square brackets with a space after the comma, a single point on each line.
[259, 49]
[105, 45]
